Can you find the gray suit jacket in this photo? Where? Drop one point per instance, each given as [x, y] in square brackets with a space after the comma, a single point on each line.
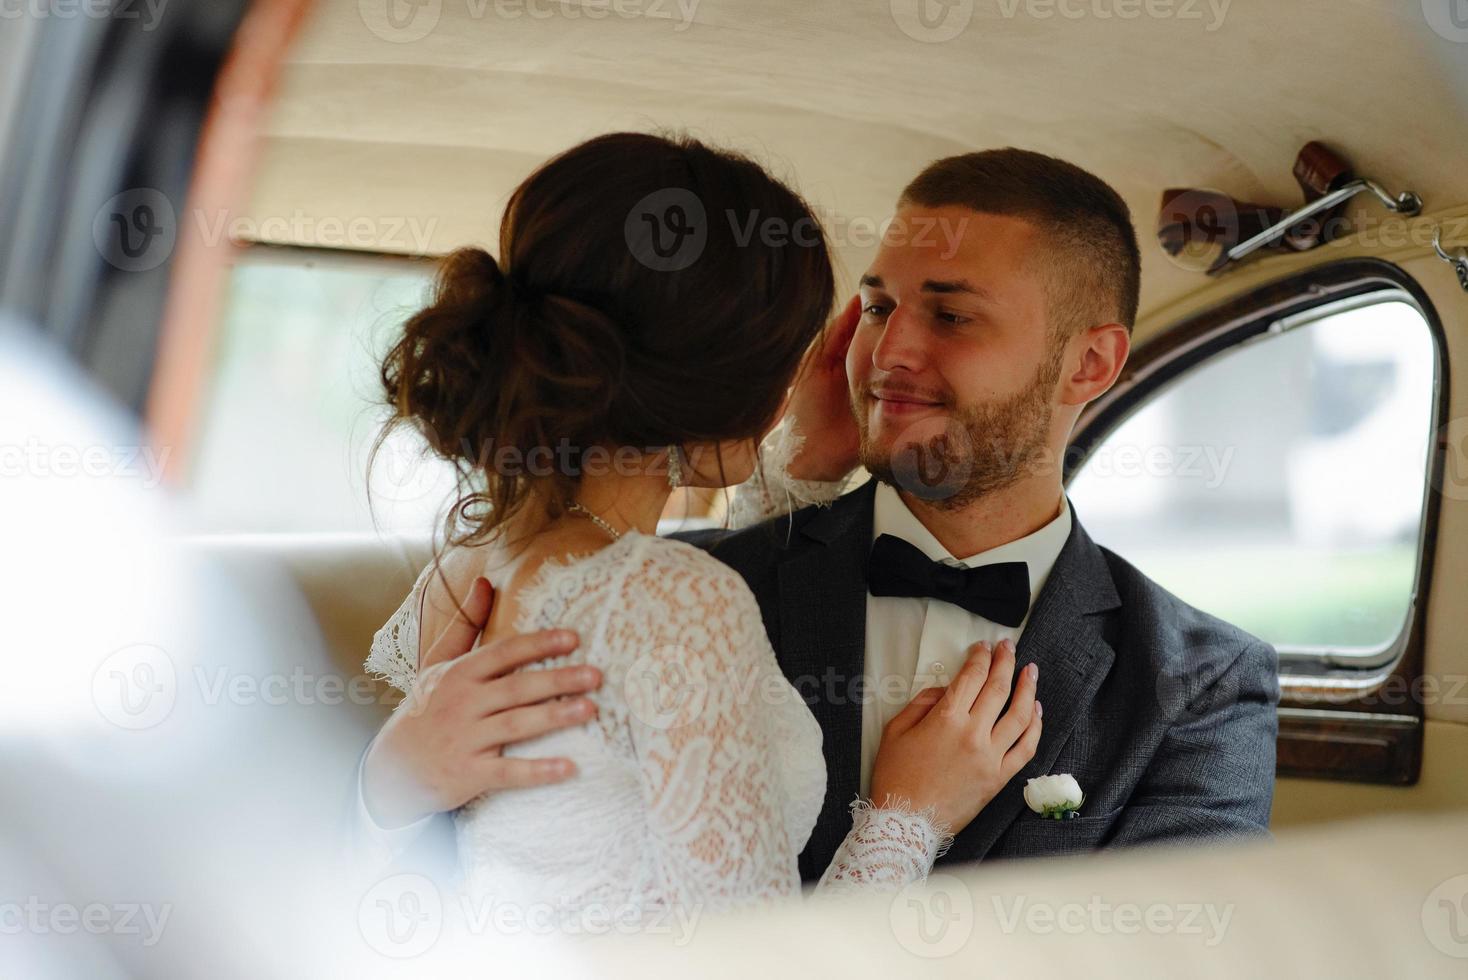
[1164, 714]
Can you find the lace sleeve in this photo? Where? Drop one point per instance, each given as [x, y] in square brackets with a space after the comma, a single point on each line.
[886, 849]
[394, 654]
[699, 673]
[771, 491]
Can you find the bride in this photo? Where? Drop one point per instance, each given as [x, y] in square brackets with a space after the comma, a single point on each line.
[652, 303]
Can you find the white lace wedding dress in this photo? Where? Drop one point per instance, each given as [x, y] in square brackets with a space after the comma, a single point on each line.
[701, 778]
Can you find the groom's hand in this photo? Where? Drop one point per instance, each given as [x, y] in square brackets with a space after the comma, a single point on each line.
[951, 748]
[821, 404]
[444, 746]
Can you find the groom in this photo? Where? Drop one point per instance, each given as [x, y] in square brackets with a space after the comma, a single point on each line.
[1000, 304]
[970, 357]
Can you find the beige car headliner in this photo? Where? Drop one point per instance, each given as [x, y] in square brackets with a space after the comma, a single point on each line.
[419, 139]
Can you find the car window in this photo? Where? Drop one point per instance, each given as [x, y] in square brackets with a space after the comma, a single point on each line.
[295, 404]
[1280, 484]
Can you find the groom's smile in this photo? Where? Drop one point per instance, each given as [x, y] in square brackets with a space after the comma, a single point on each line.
[954, 338]
[901, 401]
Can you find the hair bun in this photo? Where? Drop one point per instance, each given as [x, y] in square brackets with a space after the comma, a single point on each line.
[490, 363]
[574, 340]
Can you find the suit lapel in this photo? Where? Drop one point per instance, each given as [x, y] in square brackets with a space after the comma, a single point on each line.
[822, 648]
[1063, 636]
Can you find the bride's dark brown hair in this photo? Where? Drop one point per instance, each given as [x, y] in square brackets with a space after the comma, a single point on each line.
[650, 292]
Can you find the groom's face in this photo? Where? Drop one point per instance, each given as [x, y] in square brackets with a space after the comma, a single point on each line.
[953, 367]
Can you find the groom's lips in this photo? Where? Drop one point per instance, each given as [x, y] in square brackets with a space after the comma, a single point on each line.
[901, 403]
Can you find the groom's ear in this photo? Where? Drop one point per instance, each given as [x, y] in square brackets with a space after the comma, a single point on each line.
[1096, 357]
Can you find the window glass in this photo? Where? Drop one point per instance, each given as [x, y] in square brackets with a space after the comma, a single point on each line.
[295, 404]
[1280, 485]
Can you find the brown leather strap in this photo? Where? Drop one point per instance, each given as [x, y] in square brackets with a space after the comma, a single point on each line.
[1318, 170]
[1206, 224]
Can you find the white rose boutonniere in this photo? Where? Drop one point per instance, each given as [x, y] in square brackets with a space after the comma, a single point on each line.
[1054, 797]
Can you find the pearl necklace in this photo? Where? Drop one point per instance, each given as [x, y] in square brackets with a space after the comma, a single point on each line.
[575, 508]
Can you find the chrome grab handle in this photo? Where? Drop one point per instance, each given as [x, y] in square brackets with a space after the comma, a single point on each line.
[1406, 203]
[1459, 262]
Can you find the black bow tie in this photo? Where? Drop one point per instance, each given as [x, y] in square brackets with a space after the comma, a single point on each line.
[999, 592]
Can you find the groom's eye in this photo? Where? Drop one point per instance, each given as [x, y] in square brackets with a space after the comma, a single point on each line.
[948, 316]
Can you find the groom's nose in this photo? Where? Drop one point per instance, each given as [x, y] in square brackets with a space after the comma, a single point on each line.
[900, 346]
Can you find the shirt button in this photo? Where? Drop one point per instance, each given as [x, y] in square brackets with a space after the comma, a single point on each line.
[936, 668]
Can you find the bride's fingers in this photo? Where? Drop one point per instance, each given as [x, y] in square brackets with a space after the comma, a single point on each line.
[916, 710]
[996, 686]
[463, 630]
[529, 687]
[840, 331]
[969, 680]
[1024, 750]
[497, 772]
[522, 724]
[1012, 723]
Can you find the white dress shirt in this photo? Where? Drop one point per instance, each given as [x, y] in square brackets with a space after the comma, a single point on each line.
[916, 643]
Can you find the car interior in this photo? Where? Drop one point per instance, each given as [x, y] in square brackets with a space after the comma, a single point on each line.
[217, 212]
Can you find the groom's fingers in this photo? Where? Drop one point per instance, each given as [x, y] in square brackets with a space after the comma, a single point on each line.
[463, 631]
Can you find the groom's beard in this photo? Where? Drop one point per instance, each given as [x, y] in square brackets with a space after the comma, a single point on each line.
[954, 460]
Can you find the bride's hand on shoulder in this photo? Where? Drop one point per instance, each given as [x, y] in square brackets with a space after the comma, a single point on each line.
[951, 749]
[444, 745]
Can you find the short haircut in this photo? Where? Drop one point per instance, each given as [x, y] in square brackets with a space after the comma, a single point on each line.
[1094, 265]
